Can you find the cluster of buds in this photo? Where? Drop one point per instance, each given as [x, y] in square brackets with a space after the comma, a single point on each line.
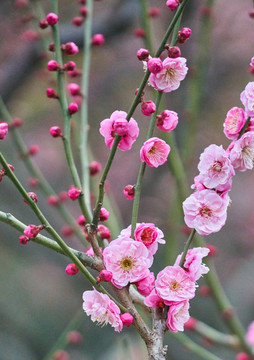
[83, 12]
[51, 19]
[3, 172]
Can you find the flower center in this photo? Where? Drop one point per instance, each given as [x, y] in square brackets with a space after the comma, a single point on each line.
[248, 152]
[169, 74]
[147, 236]
[217, 166]
[174, 286]
[205, 212]
[127, 264]
[152, 151]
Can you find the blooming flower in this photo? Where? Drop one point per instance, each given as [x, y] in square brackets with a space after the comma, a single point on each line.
[242, 154]
[154, 152]
[167, 120]
[128, 260]
[174, 285]
[178, 315]
[168, 79]
[117, 124]
[247, 98]
[205, 211]
[102, 309]
[234, 123]
[193, 262]
[215, 167]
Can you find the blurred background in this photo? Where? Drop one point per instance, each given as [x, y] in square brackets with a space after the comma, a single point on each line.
[38, 299]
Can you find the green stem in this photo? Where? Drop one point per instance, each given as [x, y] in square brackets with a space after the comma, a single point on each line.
[67, 251]
[195, 348]
[43, 240]
[138, 186]
[84, 108]
[133, 106]
[145, 23]
[186, 247]
[244, 128]
[66, 116]
[34, 171]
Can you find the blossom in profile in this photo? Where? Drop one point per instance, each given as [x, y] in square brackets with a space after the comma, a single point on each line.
[178, 315]
[102, 309]
[173, 285]
[234, 123]
[205, 211]
[247, 98]
[154, 152]
[118, 125]
[250, 334]
[146, 285]
[128, 260]
[242, 153]
[154, 300]
[214, 166]
[168, 79]
[3, 130]
[167, 120]
[193, 262]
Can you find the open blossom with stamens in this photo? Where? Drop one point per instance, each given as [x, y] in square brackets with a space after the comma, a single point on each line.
[215, 167]
[234, 123]
[178, 315]
[117, 124]
[174, 285]
[154, 152]
[102, 309]
[128, 260]
[205, 211]
[247, 98]
[242, 154]
[148, 234]
[193, 262]
[169, 78]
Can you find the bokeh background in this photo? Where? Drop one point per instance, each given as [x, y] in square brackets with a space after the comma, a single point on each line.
[37, 298]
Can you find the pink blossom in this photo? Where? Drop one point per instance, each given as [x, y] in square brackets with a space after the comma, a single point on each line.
[215, 167]
[128, 260]
[74, 89]
[53, 65]
[127, 319]
[234, 123]
[148, 108]
[55, 131]
[173, 52]
[31, 231]
[247, 98]
[250, 334]
[167, 120]
[104, 214]
[71, 269]
[94, 168]
[178, 315]
[154, 300]
[142, 54]
[154, 152]
[70, 48]
[74, 192]
[72, 108]
[148, 234]
[155, 65]
[221, 189]
[205, 211]
[168, 79]
[117, 124]
[3, 130]
[97, 40]
[193, 262]
[242, 154]
[104, 232]
[102, 309]
[52, 18]
[129, 192]
[146, 285]
[174, 285]
[105, 276]
[172, 4]
[183, 35]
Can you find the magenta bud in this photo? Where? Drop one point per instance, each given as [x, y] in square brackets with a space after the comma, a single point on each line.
[33, 196]
[94, 168]
[70, 48]
[172, 4]
[129, 192]
[3, 130]
[183, 35]
[31, 231]
[174, 52]
[154, 12]
[51, 94]
[52, 18]
[97, 40]
[127, 319]
[74, 89]
[52, 200]
[43, 24]
[105, 275]
[55, 131]
[140, 33]
[104, 214]
[77, 21]
[17, 122]
[82, 220]
[74, 337]
[83, 11]
[74, 193]
[23, 239]
[72, 108]
[33, 149]
[67, 231]
[104, 232]
[53, 65]
[70, 66]
[148, 108]
[143, 54]
[155, 65]
[71, 269]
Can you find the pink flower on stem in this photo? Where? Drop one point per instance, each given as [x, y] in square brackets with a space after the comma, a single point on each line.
[250, 334]
[104, 214]
[154, 152]
[74, 89]
[148, 108]
[52, 18]
[174, 52]
[178, 315]
[127, 319]
[53, 65]
[82, 220]
[104, 232]
[155, 65]
[74, 193]
[117, 124]
[247, 98]
[51, 93]
[169, 78]
[242, 153]
[234, 123]
[174, 285]
[172, 4]
[77, 21]
[146, 285]
[183, 35]
[24, 240]
[32, 196]
[193, 262]
[102, 309]
[31, 231]
[167, 120]
[129, 192]
[104, 275]
[97, 40]
[94, 168]
[55, 131]
[215, 167]
[72, 108]
[205, 211]
[71, 269]
[70, 48]
[128, 260]
[143, 54]
[3, 130]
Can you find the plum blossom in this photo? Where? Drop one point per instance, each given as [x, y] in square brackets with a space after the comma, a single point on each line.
[234, 123]
[102, 309]
[128, 260]
[154, 300]
[172, 73]
[178, 315]
[148, 234]
[247, 98]
[167, 120]
[146, 285]
[154, 152]
[250, 334]
[3, 130]
[242, 153]
[117, 124]
[174, 285]
[193, 262]
[215, 167]
[205, 211]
